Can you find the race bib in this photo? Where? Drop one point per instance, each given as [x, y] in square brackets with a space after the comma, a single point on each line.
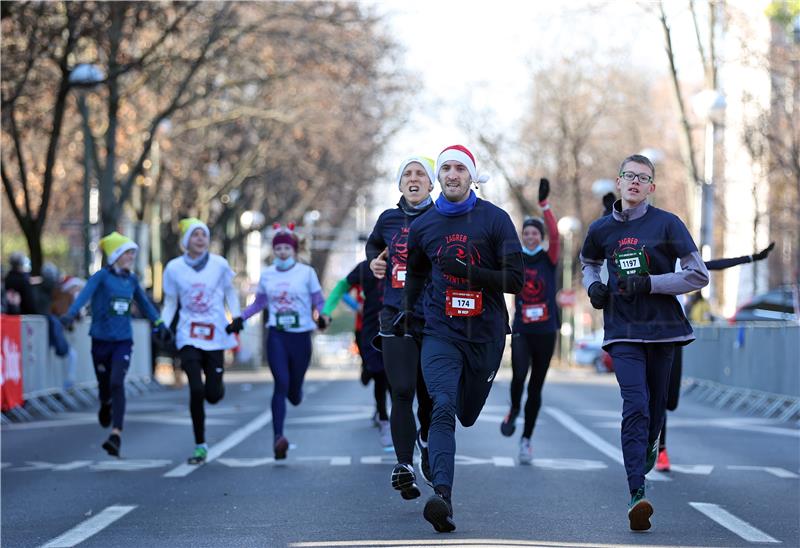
[120, 306]
[463, 303]
[287, 319]
[202, 331]
[631, 262]
[399, 277]
[532, 313]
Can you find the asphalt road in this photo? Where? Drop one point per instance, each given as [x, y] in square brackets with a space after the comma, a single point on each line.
[735, 479]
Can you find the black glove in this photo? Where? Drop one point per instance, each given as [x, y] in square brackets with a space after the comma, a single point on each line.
[236, 325]
[454, 266]
[764, 253]
[544, 189]
[406, 324]
[366, 375]
[67, 322]
[163, 334]
[598, 295]
[635, 284]
[608, 202]
[323, 321]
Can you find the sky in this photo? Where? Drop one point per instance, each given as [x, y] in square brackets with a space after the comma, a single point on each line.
[474, 58]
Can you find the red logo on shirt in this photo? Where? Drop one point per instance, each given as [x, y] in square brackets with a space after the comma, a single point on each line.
[457, 245]
[534, 286]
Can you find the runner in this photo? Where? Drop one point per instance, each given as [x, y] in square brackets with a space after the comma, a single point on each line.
[111, 291]
[536, 321]
[643, 321]
[471, 251]
[292, 292]
[361, 277]
[388, 243]
[201, 283]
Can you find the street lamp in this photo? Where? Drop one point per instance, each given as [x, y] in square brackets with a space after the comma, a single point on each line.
[85, 77]
[568, 227]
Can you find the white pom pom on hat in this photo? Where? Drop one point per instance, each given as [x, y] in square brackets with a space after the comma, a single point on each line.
[461, 154]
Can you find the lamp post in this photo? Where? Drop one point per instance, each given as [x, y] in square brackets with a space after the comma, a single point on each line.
[252, 222]
[709, 105]
[85, 78]
[568, 227]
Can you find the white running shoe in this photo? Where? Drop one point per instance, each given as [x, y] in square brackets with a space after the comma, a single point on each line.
[386, 434]
[525, 451]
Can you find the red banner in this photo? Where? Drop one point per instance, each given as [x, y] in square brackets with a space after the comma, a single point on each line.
[11, 362]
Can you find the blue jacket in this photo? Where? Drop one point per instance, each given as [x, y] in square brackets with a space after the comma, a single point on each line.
[111, 293]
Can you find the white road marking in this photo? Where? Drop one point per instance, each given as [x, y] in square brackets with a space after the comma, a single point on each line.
[732, 523]
[89, 528]
[696, 469]
[569, 464]
[36, 465]
[774, 470]
[233, 439]
[245, 463]
[329, 419]
[595, 441]
[504, 462]
[125, 465]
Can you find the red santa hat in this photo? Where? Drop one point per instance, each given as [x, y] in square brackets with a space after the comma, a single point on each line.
[460, 154]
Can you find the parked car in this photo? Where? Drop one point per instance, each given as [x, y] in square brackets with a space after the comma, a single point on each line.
[589, 351]
[774, 305]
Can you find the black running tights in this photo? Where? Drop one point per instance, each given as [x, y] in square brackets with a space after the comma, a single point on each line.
[197, 362]
[530, 351]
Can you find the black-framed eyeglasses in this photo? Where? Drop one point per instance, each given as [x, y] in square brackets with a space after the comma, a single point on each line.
[644, 178]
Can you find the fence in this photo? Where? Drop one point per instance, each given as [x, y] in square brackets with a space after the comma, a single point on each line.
[752, 367]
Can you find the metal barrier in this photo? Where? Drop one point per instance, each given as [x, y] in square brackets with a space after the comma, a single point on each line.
[753, 367]
[46, 389]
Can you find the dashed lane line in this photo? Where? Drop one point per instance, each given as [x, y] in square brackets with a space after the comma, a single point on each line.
[732, 523]
[89, 528]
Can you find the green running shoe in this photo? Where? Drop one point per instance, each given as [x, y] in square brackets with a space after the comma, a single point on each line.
[199, 457]
[639, 511]
[652, 455]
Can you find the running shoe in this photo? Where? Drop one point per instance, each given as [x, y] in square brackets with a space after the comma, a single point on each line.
[525, 451]
[639, 511]
[405, 481]
[439, 513]
[376, 420]
[281, 447]
[424, 461]
[662, 464]
[652, 454]
[199, 457]
[508, 425]
[386, 434]
[104, 415]
[112, 445]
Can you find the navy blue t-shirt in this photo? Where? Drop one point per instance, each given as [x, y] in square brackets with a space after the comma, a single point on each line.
[391, 233]
[373, 297]
[483, 236]
[535, 306]
[663, 239]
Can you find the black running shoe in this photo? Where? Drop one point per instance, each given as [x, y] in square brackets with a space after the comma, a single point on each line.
[507, 427]
[405, 481]
[104, 415]
[112, 445]
[424, 461]
[281, 447]
[439, 513]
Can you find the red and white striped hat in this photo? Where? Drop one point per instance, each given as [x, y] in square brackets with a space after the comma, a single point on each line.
[460, 154]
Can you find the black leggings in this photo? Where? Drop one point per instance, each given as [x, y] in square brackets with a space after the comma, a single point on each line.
[381, 386]
[209, 362]
[673, 392]
[530, 350]
[402, 366]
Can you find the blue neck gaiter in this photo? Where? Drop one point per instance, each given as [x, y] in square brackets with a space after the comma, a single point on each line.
[199, 263]
[448, 208]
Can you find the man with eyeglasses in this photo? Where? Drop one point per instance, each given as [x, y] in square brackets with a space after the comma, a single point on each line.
[643, 320]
